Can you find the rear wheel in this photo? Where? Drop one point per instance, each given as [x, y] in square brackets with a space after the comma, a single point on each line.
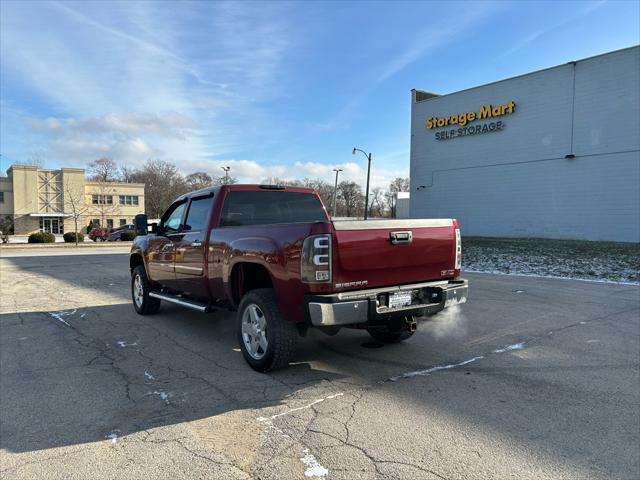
[140, 289]
[267, 341]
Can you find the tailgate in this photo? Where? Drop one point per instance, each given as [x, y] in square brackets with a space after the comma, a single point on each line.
[393, 252]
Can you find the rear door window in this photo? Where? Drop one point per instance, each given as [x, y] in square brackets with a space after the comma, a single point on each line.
[265, 208]
[198, 214]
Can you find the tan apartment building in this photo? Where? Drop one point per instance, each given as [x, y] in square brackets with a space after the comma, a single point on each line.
[45, 200]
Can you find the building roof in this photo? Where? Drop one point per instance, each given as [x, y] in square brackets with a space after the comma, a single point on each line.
[423, 96]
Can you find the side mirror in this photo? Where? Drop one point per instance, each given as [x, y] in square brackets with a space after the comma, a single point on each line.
[154, 227]
[141, 224]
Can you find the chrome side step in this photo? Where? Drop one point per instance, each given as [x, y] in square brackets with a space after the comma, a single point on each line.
[200, 307]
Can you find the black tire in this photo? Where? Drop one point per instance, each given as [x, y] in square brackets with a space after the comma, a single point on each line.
[148, 305]
[387, 336]
[281, 335]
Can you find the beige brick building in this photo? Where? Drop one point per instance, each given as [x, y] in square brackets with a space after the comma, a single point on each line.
[45, 200]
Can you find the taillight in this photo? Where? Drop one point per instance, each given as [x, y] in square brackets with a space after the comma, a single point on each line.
[458, 264]
[315, 263]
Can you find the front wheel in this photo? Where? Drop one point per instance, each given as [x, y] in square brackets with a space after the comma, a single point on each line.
[140, 289]
[267, 341]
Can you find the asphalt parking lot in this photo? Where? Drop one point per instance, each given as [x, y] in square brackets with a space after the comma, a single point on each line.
[532, 378]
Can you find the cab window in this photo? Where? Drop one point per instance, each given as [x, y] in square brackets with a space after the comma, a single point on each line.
[267, 208]
[198, 215]
[173, 218]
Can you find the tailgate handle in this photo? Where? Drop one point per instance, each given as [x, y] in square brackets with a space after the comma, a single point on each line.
[400, 238]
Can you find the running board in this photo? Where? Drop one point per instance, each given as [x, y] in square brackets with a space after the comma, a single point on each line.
[200, 307]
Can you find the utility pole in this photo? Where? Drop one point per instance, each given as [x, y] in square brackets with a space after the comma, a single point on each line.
[366, 198]
[335, 192]
[226, 174]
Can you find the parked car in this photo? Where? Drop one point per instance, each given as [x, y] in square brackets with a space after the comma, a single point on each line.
[99, 235]
[121, 234]
[126, 226]
[272, 254]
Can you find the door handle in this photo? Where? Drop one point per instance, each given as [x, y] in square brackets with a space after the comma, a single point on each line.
[196, 244]
[400, 238]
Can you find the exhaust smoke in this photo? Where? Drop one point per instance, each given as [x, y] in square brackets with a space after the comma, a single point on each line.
[450, 322]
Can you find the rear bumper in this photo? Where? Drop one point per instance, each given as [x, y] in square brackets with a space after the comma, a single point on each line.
[368, 306]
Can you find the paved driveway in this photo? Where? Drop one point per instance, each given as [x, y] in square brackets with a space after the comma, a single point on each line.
[533, 378]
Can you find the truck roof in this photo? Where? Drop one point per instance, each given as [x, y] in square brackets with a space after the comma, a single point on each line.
[245, 187]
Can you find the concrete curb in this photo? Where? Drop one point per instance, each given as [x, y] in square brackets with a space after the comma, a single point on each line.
[14, 246]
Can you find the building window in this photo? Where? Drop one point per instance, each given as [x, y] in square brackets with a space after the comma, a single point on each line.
[129, 200]
[51, 225]
[110, 223]
[1, 197]
[102, 199]
[123, 221]
[96, 222]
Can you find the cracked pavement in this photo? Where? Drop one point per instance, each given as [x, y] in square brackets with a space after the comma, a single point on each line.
[89, 389]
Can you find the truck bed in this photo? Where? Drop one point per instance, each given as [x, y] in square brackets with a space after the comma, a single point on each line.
[377, 253]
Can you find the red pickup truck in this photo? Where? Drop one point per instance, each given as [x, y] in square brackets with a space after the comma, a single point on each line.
[272, 254]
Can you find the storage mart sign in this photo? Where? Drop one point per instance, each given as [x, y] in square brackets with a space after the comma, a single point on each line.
[485, 112]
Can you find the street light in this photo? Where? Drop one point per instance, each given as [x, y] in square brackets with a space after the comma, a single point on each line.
[366, 198]
[335, 191]
[226, 174]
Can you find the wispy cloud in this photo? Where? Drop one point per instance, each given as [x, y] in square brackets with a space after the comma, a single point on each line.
[434, 36]
[532, 37]
[456, 24]
[166, 124]
[142, 80]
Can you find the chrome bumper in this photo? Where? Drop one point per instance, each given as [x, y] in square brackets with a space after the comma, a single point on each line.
[363, 306]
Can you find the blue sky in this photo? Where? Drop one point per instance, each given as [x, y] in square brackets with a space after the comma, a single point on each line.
[284, 89]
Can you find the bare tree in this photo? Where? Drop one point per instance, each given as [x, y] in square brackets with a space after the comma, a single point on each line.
[198, 180]
[397, 185]
[104, 170]
[224, 180]
[281, 181]
[351, 194]
[75, 203]
[325, 189]
[163, 183]
[127, 174]
[6, 228]
[376, 199]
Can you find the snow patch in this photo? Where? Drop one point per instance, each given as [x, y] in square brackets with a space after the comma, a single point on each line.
[288, 412]
[508, 348]
[113, 436]
[149, 376]
[163, 395]
[555, 277]
[314, 469]
[437, 368]
[124, 344]
[58, 315]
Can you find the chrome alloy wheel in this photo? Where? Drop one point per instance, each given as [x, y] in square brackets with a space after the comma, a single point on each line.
[254, 331]
[138, 291]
